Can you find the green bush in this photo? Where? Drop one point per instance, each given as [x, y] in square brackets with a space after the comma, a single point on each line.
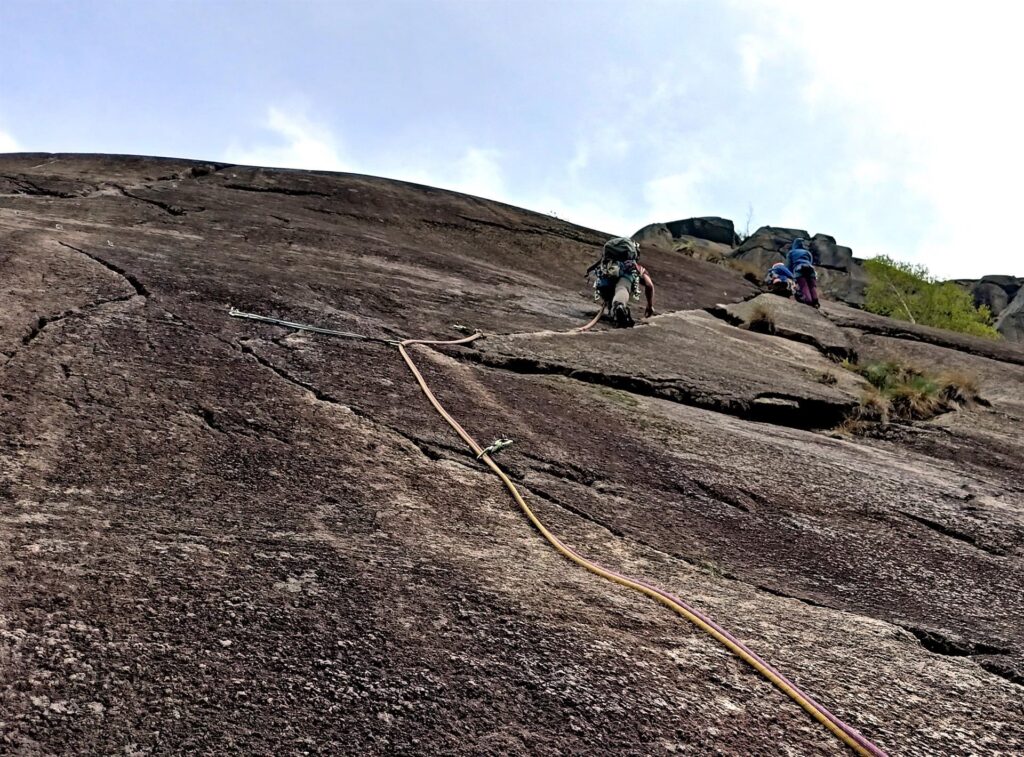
[907, 292]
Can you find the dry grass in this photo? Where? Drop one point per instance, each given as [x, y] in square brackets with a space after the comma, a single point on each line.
[761, 320]
[902, 392]
[751, 272]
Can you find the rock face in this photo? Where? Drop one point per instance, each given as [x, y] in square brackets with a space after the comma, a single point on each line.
[998, 294]
[659, 236]
[1011, 319]
[711, 229]
[767, 245]
[219, 536]
[840, 275]
[787, 318]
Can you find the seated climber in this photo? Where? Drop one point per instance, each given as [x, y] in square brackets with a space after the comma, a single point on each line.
[800, 261]
[618, 281]
[780, 280]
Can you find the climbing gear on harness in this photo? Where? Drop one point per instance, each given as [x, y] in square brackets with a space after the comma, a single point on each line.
[495, 446]
[847, 734]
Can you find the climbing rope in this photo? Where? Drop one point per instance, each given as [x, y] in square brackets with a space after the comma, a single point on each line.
[592, 323]
[846, 733]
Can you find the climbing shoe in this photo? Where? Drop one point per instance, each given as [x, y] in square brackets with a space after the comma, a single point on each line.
[620, 314]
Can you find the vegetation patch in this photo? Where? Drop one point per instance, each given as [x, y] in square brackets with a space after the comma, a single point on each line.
[909, 293]
[751, 271]
[903, 392]
[761, 320]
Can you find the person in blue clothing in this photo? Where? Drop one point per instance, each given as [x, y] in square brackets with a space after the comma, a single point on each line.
[800, 261]
[780, 281]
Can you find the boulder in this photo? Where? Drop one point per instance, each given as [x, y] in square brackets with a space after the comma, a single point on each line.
[849, 286]
[657, 236]
[1011, 321]
[829, 254]
[657, 233]
[759, 257]
[774, 238]
[993, 296]
[1010, 284]
[711, 228]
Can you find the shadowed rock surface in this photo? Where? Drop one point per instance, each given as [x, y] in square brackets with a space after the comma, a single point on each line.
[779, 316]
[218, 536]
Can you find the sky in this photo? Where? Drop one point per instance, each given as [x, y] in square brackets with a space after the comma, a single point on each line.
[892, 126]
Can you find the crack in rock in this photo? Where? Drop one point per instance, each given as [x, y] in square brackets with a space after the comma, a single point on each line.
[278, 190]
[1003, 670]
[28, 187]
[766, 407]
[174, 210]
[939, 643]
[137, 285]
[954, 534]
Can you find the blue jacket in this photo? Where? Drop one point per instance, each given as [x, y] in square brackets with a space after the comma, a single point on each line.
[779, 270]
[799, 258]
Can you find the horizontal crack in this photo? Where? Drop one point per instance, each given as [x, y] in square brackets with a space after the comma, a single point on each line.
[948, 646]
[1003, 670]
[31, 188]
[954, 534]
[277, 190]
[174, 210]
[835, 354]
[801, 412]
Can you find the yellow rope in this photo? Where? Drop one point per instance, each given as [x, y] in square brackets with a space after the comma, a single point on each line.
[557, 543]
[842, 731]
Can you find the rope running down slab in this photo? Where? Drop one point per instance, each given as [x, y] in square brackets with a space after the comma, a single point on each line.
[846, 733]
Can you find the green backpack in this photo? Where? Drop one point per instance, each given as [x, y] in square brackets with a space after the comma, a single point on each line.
[617, 250]
[621, 249]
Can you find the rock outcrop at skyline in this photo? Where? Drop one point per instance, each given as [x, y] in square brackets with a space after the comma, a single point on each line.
[225, 537]
[841, 276]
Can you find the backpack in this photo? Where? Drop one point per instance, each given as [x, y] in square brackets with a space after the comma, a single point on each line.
[618, 250]
[621, 249]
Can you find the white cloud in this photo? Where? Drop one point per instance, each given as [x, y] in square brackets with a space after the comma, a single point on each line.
[8, 143]
[677, 195]
[754, 51]
[477, 171]
[938, 86]
[301, 144]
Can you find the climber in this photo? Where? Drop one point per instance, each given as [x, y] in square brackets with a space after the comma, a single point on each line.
[800, 261]
[780, 281]
[619, 277]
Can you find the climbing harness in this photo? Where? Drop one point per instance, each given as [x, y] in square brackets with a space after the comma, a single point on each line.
[846, 733]
[496, 446]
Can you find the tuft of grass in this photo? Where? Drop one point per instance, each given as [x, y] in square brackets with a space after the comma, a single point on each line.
[619, 397]
[751, 271]
[761, 320]
[903, 392]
